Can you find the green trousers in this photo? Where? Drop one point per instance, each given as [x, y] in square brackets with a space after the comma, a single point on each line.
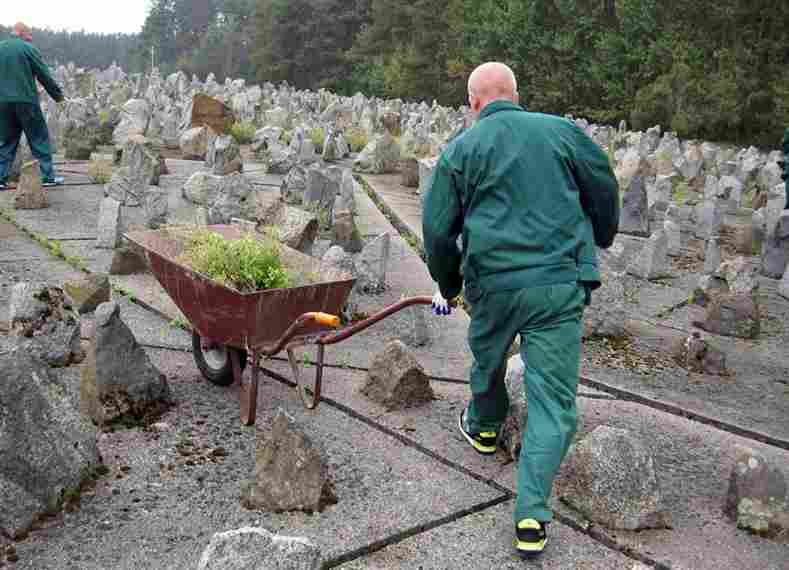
[18, 118]
[549, 322]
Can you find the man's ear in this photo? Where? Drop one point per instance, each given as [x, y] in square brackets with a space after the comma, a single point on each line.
[516, 98]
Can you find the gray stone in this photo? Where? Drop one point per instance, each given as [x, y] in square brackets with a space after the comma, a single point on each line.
[605, 322]
[88, 292]
[783, 286]
[278, 158]
[627, 169]
[46, 446]
[135, 116]
[144, 161]
[635, 210]
[235, 198]
[46, 323]
[652, 262]
[345, 233]
[194, 143]
[673, 232]
[127, 186]
[294, 185]
[709, 218]
[346, 199]
[712, 255]
[323, 186]
[291, 471]
[776, 251]
[380, 156]
[292, 226]
[396, 380]
[757, 496]
[253, 548]
[613, 481]
[740, 275]
[372, 264]
[202, 188]
[337, 265]
[409, 174]
[117, 377]
[155, 203]
[30, 194]
[511, 433]
[734, 315]
[223, 156]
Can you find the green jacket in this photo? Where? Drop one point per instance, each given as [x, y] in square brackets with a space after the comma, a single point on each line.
[531, 194]
[20, 66]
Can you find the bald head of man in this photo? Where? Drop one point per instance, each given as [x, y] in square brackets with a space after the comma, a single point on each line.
[491, 81]
[23, 31]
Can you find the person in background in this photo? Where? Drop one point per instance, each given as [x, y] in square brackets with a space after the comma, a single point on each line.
[531, 195]
[21, 65]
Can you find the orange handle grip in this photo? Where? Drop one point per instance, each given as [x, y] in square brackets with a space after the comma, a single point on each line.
[327, 320]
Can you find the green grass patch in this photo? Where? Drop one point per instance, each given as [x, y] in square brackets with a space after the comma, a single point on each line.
[243, 133]
[357, 139]
[245, 264]
[318, 138]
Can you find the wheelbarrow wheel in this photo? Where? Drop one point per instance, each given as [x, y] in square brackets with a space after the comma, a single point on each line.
[215, 363]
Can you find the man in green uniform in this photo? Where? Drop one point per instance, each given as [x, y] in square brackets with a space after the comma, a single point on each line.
[531, 195]
[20, 65]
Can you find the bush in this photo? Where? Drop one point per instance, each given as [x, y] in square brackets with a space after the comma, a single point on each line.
[318, 138]
[100, 171]
[357, 139]
[243, 133]
[246, 264]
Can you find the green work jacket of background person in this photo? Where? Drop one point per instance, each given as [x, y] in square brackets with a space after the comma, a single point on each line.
[522, 188]
[20, 65]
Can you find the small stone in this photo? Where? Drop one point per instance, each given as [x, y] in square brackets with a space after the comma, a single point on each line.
[613, 481]
[372, 264]
[126, 261]
[735, 315]
[30, 194]
[757, 496]
[776, 251]
[712, 255]
[291, 471]
[345, 233]
[155, 202]
[652, 262]
[396, 380]
[409, 174]
[634, 219]
[88, 292]
[110, 227]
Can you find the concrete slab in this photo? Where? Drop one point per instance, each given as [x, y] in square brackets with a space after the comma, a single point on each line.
[155, 517]
[694, 462]
[484, 540]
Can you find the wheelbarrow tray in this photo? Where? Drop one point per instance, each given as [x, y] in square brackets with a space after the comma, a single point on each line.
[225, 315]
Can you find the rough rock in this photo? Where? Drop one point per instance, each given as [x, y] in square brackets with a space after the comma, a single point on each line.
[323, 186]
[252, 548]
[155, 203]
[757, 497]
[652, 262]
[291, 471]
[210, 112]
[45, 322]
[708, 288]
[697, 355]
[735, 315]
[783, 286]
[143, 159]
[47, 446]
[127, 186]
[88, 292]
[235, 198]
[776, 251]
[292, 226]
[30, 194]
[372, 264]
[740, 275]
[712, 255]
[634, 219]
[117, 377]
[223, 156]
[135, 116]
[278, 158]
[426, 168]
[345, 233]
[127, 261]
[613, 481]
[396, 380]
[201, 188]
[380, 156]
[294, 185]
[409, 174]
[709, 218]
[194, 143]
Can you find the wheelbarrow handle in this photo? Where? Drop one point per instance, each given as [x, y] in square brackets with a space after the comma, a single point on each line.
[333, 338]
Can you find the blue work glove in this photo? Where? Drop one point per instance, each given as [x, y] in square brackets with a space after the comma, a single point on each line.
[440, 305]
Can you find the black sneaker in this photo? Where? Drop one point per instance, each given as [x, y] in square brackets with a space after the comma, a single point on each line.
[3, 186]
[531, 537]
[483, 442]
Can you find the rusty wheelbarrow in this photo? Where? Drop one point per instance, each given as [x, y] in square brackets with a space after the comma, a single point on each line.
[229, 326]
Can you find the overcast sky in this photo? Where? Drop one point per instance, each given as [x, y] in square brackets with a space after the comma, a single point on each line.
[101, 16]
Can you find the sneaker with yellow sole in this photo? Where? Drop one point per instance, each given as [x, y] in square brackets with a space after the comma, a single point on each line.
[483, 442]
[531, 537]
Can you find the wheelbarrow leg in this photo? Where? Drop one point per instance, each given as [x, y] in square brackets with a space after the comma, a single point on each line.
[309, 396]
[248, 393]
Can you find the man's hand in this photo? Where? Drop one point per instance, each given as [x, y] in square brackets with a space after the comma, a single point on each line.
[440, 305]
